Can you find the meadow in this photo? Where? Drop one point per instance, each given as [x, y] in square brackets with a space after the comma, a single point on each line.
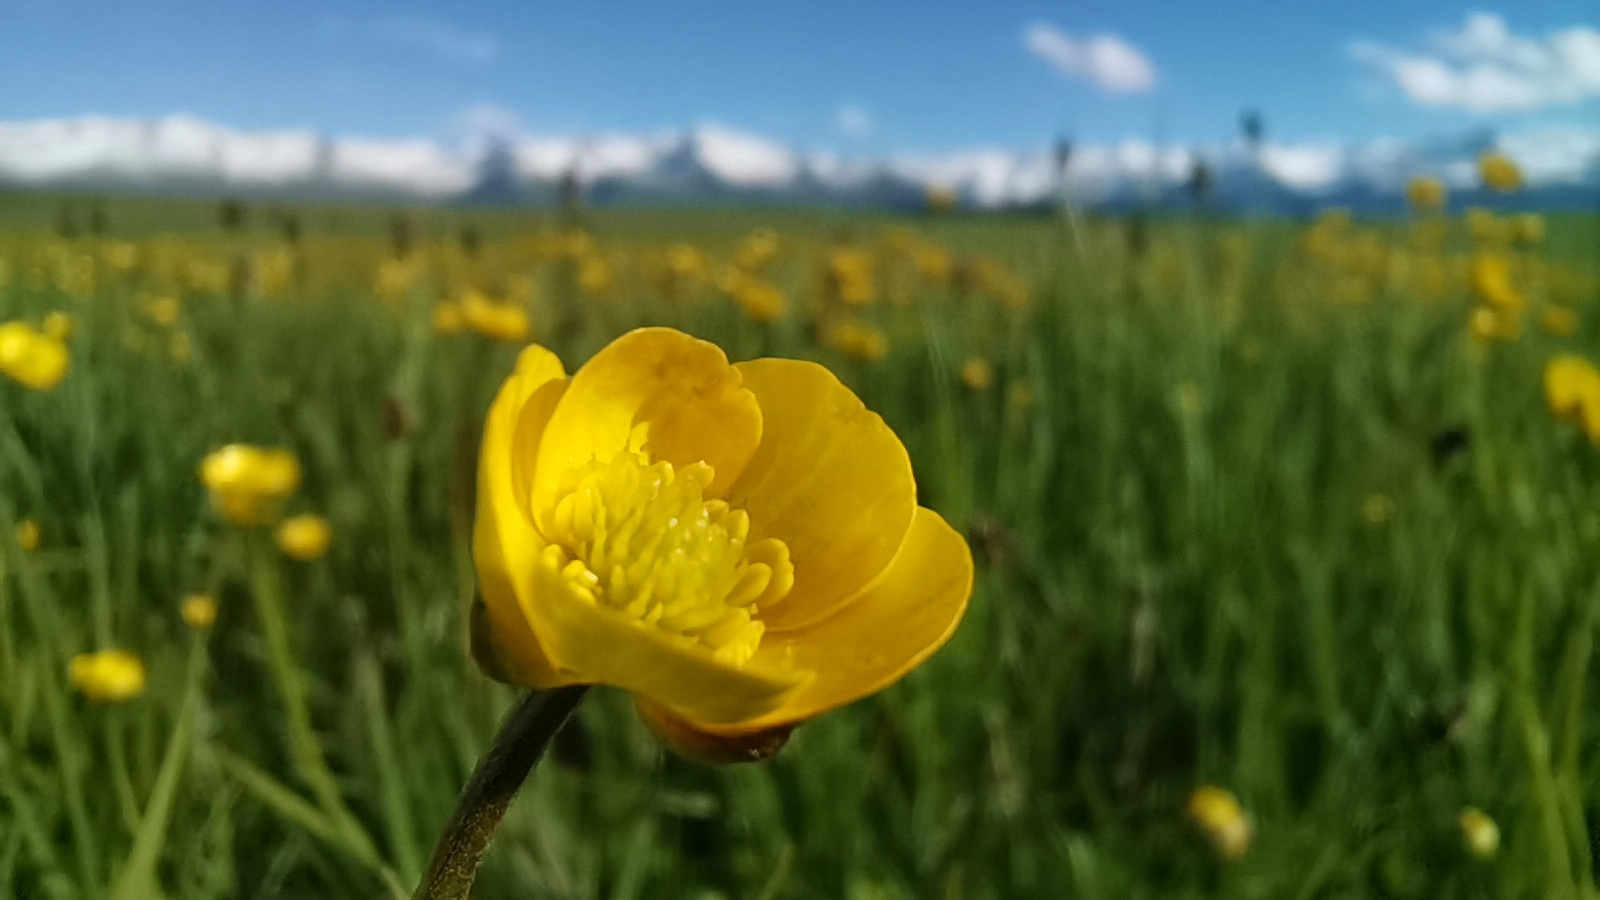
[1278, 507]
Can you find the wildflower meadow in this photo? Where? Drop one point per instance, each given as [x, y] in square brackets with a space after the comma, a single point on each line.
[944, 554]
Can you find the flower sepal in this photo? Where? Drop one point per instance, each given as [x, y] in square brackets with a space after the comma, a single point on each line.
[704, 747]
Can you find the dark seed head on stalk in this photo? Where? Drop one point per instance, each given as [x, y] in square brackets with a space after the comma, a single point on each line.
[398, 422]
[1449, 443]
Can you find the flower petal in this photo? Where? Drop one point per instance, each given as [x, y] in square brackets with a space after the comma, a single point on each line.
[885, 632]
[682, 389]
[591, 643]
[830, 480]
[502, 529]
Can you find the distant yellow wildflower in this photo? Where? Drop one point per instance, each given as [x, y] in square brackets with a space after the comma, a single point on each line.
[977, 373]
[1489, 324]
[246, 482]
[1481, 834]
[1560, 321]
[28, 535]
[1499, 173]
[57, 324]
[1572, 390]
[850, 276]
[1219, 815]
[108, 676]
[305, 537]
[447, 318]
[1491, 282]
[495, 319]
[32, 358]
[162, 310]
[858, 340]
[199, 611]
[759, 300]
[1425, 193]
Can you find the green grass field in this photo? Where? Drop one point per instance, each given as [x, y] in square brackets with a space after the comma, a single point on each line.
[1243, 516]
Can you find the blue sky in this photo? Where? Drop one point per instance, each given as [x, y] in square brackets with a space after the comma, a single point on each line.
[930, 75]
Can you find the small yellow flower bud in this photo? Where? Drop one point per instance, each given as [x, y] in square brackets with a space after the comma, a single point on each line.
[199, 611]
[305, 537]
[976, 373]
[28, 535]
[1480, 832]
[109, 676]
[1219, 815]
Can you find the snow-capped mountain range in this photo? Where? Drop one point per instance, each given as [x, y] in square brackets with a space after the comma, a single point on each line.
[709, 163]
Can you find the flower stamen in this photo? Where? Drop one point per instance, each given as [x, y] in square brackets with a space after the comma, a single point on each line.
[640, 537]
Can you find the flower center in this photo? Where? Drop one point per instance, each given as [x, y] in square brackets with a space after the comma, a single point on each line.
[640, 537]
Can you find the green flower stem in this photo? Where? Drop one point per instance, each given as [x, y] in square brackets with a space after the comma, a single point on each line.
[266, 588]
[517, 749]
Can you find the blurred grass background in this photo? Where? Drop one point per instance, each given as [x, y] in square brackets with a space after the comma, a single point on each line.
[1237, 523]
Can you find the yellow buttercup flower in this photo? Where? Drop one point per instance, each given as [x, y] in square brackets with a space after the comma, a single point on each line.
[594, 276]
[497, 320]
[1481, 834]
[1219, 815]
[1572, 389]
[757, 250]
[32, 358]
[1560, 321]
[859, 340]
[305, 537]
[738, 545]
[57, 324]
[199, 611]
[395, 278]
[1425, 193]
[977, 373]
[109, 676]
[850, 276]
[1489, 324]
[759, 300]
[1491, 282]
[28, 535]
[448, 319]
[1499, 172]
[933, 263]
[246, 482]
[162, 310]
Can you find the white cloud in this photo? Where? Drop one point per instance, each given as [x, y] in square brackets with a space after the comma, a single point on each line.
[853, 121]
[1555, 155]
[1106, 60]
[1484, 67]
[440, 39]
